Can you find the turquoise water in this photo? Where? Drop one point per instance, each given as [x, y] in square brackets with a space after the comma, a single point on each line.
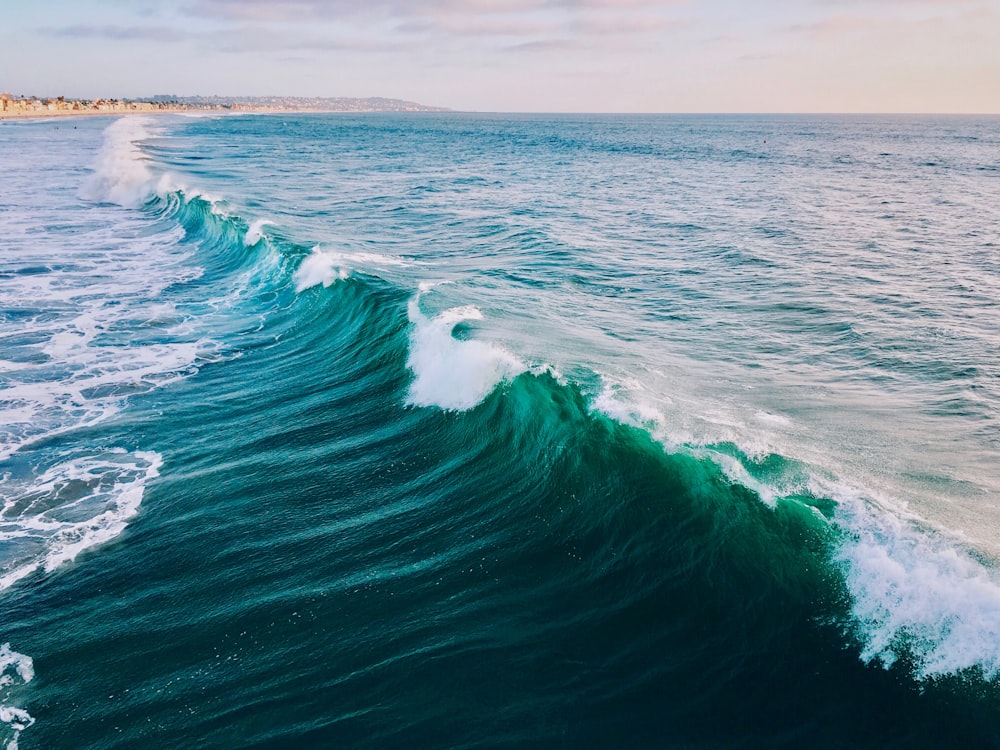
[499, 431]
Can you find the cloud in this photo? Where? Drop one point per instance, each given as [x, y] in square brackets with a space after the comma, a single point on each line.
[294, 11]
[544, 45]
[640, 23]
[260, 39]
[836, 26]
[119, 33]
[441, 26]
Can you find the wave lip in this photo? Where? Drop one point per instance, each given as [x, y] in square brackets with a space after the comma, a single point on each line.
[319, 267]
[917, 596]
[327, 266]
[450, 373]
[14, 668]
[255, 232]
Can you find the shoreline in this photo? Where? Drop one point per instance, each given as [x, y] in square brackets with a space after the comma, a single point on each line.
[62, 113]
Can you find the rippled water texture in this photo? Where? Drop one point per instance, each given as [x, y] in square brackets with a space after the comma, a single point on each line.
[492, 431]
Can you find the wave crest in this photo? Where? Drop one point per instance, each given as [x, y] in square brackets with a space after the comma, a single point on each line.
[450, 373]
[121, 174]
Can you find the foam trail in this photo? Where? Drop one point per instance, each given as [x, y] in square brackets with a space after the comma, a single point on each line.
[73, 506]
[14, 668]
[450, 373]
[121, 174]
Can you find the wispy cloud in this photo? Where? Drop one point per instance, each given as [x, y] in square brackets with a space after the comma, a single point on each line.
[118, 33]
[442, 26]
[260, 39]
[294, 11]
[836, 26]
[543, 45]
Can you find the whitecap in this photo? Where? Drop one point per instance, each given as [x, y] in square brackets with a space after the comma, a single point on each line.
[317, 268]
[450, 373]
[255, 232]
[121, 173]
[916, 593]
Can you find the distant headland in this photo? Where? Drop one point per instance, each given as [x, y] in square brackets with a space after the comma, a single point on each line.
[32, 106]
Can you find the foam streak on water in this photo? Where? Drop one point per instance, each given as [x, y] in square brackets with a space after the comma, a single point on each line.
[85, 329]
[15, 670]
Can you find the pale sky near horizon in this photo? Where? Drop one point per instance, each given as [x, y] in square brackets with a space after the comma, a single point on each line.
[519, 55]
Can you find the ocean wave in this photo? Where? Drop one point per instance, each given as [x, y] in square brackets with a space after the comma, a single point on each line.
[917, 595]
[914, 595]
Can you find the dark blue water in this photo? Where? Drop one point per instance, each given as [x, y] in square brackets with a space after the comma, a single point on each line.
[469, 431]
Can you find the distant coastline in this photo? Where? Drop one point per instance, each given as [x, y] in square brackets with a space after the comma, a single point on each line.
[36, 107]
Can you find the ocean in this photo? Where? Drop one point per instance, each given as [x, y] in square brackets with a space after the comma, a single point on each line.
[500, 431]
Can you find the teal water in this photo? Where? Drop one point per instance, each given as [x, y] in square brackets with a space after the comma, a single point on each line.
[498, 431]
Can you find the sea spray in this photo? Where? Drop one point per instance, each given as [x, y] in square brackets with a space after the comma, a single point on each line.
[916, 594]
[255, 231]
[121, 173]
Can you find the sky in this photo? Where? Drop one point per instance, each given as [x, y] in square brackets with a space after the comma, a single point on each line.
[519, 55]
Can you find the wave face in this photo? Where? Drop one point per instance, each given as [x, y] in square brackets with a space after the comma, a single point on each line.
[467, 431]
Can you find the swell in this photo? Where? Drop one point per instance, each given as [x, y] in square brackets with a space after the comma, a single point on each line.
[568, 556]
[312, 501]
[915, 595]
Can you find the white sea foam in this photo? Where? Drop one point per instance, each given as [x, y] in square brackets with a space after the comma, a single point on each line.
[89, 332]
[121, 173]
[79, 382]
[16, 670]
[448, 372]
[85, 330]
[72, 506]
[917, 593]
